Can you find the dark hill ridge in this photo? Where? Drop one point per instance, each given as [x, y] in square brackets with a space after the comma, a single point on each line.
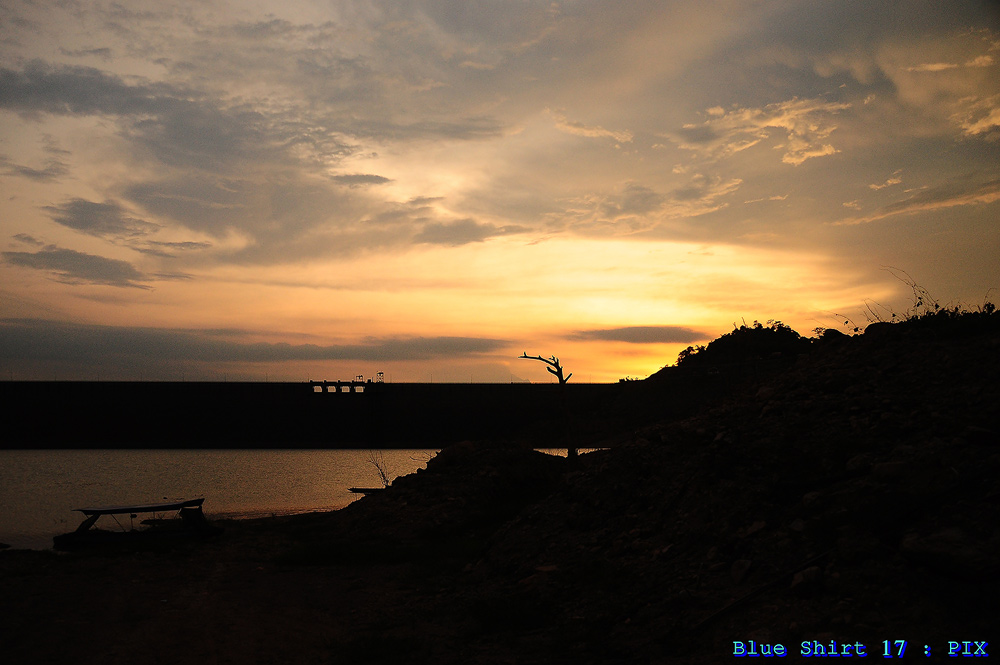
[853, 496]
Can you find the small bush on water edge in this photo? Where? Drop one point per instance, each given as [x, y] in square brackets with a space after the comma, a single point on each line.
[377, 459]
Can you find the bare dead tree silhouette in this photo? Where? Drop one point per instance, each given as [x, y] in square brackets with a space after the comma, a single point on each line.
[554, 367]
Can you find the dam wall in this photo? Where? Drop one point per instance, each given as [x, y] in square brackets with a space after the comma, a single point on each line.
[94, 414]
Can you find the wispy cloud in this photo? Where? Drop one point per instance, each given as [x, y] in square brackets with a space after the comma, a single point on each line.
[643, 335]
[106, 220]
[807, 123]
[53, 170]
[953, 194]
[634, 208]
[361, 179]
[590, 131]
[462, 232]
[980, 61]
[73, 267]
[894, 180]
[980, 117]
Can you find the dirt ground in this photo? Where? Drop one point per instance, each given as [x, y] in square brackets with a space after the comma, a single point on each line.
[853, 497]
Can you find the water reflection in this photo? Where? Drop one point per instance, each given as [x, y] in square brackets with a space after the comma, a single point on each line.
[39, 488]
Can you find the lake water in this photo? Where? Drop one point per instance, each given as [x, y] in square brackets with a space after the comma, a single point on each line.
[40, 488]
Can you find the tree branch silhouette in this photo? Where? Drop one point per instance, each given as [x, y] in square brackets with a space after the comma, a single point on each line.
[554, 367]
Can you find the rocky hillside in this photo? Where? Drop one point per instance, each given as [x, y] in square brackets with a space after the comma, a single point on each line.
[851, 496]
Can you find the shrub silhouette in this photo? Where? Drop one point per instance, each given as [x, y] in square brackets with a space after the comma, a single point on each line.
[746, 344]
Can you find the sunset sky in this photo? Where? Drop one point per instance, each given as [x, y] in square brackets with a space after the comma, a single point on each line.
[269, 190]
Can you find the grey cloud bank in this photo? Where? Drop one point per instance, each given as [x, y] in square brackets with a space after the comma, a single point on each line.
[45, 340]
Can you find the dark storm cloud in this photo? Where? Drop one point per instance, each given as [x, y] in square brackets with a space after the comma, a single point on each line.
[643, 335]
[51, 340]
[104, 220]
[72, 267]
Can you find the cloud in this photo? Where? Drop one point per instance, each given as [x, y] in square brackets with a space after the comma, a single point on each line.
[301, 135]
[932, 67]
[643, 335]
[980, 61]
[103, 53]
[176, 124]
[72, 90]
[807, 124]
[980, 117]
[360, 179]
[285, 218]
[54, 169]
[247, 168]
[28, 239]
[72, 267]
[104, 220]
[462, 232]
[953, 194]
[776, 197]
[590, 131]
[634, 199]
[37, 339]
[213, 205]
[888, 183]
[636, 208]
[169, 250]
[701, 193]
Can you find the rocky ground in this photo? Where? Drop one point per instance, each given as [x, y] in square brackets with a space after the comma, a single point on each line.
[851, 496]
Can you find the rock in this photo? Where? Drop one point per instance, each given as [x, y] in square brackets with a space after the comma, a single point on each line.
[808, 582]
[890, 469]
[880, 331]
[765, 393]
[739, 570]
[980, 435]
[832, 337]
[859, 462]
[752, 529]
[951, 552]
[810, 497]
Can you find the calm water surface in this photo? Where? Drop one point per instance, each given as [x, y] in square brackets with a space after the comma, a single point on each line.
[40, 488]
